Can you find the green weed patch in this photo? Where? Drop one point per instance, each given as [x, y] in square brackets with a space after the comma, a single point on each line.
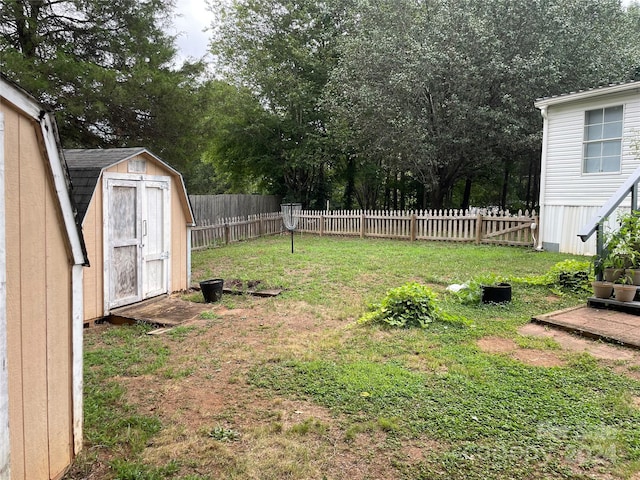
[526, 417]
[410, 305]
[109, 420]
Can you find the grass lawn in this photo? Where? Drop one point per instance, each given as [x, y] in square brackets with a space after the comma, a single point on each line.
[293, 387]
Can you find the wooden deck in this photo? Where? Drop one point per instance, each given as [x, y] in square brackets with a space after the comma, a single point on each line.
[605, 323]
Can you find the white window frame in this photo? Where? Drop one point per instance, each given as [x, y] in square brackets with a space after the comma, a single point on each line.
[586, 142]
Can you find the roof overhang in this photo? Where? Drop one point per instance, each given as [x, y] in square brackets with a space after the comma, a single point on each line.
[47, 132]
[629, 87]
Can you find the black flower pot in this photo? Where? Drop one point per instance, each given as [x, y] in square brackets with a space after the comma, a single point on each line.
[498, 293]
[212, 289]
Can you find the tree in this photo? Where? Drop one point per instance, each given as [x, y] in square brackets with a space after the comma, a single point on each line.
[108, 71]
[441, 90]
[242, 141]
[282, 52]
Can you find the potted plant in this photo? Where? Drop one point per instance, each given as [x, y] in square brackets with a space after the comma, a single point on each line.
[602, 289]
[610, 265]
[613, 268]
[624, 290]
[622, 249]
[634, 274]
[625, 259]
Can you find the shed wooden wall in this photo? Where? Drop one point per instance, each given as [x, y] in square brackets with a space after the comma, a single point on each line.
[93, 236]
[572, 198]
[39, 311]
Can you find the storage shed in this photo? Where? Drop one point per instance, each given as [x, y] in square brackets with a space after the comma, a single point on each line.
[589, 149]
[136, 220]
[41, 319]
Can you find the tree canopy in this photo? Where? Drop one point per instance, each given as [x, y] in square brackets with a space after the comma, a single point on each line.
[108, 70]
[428, 99]
[444, 92]
[369, 103]
[282, 52]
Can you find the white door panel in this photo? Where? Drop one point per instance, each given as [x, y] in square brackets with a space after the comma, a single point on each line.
[123, 238]
[155, 250]
[137, 238]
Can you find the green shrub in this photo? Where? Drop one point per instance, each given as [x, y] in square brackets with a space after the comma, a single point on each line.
[411, 305]
[566, 276]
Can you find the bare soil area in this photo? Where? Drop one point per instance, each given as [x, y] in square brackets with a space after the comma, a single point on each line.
[622, 359]
[217, 355]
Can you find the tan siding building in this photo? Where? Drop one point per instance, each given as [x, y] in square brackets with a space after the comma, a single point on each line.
[136, 220]
[41, 262]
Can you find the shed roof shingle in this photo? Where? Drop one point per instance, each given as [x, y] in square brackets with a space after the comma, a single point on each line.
[85, 167]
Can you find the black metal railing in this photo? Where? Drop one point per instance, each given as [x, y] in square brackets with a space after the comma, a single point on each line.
[596, 224]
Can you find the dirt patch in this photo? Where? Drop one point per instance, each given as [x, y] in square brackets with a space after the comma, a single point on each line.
[497, 345]
[575, 343]
[414, 452]
[620, 359]
[269, 436]
[539, 358]
[237, 284]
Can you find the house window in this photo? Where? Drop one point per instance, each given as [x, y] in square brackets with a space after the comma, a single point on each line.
[602, 140]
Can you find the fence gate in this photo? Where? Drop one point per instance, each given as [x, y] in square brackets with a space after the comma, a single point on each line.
[507, 230]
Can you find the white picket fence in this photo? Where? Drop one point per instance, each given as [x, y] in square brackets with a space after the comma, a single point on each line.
[478, 226]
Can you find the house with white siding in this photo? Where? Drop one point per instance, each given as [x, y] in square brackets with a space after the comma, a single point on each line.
[590, 146]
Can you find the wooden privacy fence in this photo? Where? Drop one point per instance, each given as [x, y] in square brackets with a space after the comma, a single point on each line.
[479, 226]
[216, 209]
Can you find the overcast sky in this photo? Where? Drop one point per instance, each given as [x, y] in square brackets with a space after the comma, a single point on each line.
[192, 17]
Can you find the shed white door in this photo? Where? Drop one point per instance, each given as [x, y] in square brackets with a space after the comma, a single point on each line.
[136, 235]
[155, 238]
